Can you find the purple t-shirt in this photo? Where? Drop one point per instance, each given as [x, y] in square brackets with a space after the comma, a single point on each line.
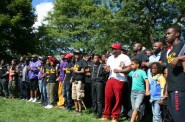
[33, 73]
[62, 65]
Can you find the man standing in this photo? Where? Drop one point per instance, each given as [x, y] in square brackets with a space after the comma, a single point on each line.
[20, 68]
[176, 75]
[117, 64]
[78, 82]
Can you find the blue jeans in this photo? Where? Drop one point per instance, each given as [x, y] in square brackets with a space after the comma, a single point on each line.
[44, 92]
[156, 110]
[67, 94]
[137, 98]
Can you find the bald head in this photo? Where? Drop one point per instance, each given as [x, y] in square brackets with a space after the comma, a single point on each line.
[137, 46]
[157, 47]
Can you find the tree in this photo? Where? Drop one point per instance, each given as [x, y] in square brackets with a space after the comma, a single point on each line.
[93, 25]
[16, 20]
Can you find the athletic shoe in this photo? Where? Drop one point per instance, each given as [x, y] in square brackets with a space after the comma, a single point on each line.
[49, 106]
[30, 100]
[34, 100]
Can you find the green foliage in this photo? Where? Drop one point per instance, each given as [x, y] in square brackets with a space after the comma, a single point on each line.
[93, 25]
[16, 20]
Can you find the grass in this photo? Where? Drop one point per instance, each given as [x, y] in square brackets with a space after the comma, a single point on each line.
[16, 110]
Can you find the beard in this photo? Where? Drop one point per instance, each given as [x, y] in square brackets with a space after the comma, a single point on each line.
[157, 51]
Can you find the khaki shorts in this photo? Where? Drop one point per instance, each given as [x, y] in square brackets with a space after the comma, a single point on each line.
[78, 90]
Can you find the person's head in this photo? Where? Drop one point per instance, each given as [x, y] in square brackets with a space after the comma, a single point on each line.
[34, 58]
[62, 55]
[135, 64]
[148, 52]
[116, 49]
[137, 47]
[27, 60]
[3, 61]
[77, 54]
[13, 62]
[87, 57]
[96, 59]
[157, 47]
[172, 33]
[53, 61]
[124, 49]
[22, 59]
[47, 61]
[103, 58]
[165, 72]
[156, 68]
[68, 57]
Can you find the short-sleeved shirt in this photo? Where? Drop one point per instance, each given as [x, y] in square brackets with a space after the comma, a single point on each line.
[176, 76]
[118, 63]
[68, 72]
[138, 79]
[52, 74]
[62, 65]
[78, 66]
[34, 71]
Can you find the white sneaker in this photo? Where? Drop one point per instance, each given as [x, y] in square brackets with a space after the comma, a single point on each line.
[30, 100]
[34, 100]
[49, 106]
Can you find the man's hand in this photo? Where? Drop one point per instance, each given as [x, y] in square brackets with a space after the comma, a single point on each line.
[147, 93]
[174, 62]
[117, 71]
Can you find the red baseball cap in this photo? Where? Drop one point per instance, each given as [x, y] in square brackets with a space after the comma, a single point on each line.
[69, 55]
[116, 46]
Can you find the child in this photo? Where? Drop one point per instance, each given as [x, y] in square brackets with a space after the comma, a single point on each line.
[98, 79]
[157, 85]
[139, 80]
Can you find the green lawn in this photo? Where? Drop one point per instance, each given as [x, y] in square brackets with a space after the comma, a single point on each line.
[15, 110]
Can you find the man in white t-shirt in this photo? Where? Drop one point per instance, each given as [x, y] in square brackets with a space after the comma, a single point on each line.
[118, 64]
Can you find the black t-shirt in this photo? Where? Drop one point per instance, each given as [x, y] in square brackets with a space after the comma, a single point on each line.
[88, 78]
[52, 74]
[78, 66]
[142, 57]
[68, 72]
[3, 70]
[176, 76]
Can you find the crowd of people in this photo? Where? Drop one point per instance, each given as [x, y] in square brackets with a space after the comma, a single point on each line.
[112, 85]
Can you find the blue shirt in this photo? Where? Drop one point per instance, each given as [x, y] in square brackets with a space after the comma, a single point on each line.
[138, 79]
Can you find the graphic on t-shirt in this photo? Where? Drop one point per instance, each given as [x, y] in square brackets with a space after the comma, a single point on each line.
[135, 75]
[67, 70]
[52, 71]
[76, 66]
[171, 57]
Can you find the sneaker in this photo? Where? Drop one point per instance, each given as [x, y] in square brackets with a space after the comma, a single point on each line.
[98, 116]
[49, 106]
[34, 100]
[103, 119]
[79, 113]
[75, 111]
[57, 107]
[30, 100]
[114, 120]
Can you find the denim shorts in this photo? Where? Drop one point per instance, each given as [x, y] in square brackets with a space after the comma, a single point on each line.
[137, 98]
